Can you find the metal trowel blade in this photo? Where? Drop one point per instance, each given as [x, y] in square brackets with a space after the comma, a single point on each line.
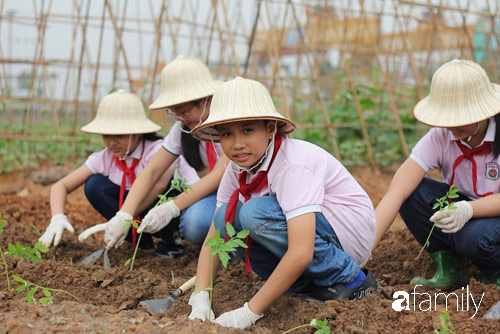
[92, 258]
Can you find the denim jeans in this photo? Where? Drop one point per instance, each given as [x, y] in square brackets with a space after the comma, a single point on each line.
[104, 196]
[267, 224]
[478, 240]
[196, 219]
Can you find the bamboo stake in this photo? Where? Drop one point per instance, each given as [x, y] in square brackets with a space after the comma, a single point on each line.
[120, 41]
[230, 38]
[352, 88]
[317, 87]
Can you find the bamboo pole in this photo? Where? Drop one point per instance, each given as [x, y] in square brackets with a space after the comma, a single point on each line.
[230, 38]
[120, 41]
[79, 72]
[352, 88]
[317, 87]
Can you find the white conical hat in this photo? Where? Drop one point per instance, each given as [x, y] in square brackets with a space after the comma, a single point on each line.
[182, 80]
[239, 100]
[460, 94]
[121, 113]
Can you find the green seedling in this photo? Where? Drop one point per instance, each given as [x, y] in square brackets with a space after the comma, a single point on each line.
[32, 288]
[176, 184]
[321, 326]
[446, 325]
[441, 204]
[32, 254]
[3, 223]
[221, 248]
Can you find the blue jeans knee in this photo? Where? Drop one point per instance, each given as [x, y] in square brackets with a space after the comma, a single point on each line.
[196, 219]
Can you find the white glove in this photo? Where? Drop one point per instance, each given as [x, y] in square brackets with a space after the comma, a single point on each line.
[240, 318]
[54, 231]
[159, 217]
[92, 230]
[114, 234]
[200, 306]
[451, 221]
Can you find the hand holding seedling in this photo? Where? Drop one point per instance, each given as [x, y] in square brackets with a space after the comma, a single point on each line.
[200, 306]
[201, 300]
[445, 206]
[453, 217]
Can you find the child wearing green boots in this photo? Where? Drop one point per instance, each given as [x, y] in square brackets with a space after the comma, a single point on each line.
[463, 107]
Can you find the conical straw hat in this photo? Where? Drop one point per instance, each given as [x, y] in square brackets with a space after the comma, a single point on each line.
[121, 113]
[239, 100]
[460, 94]
[182, 80]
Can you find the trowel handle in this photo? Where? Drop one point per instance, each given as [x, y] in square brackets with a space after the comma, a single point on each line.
[188, 285]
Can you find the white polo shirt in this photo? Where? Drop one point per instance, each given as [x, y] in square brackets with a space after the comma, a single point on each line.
[438, 149]
[305, 178]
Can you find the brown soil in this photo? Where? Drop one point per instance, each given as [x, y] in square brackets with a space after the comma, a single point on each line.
[108, 300]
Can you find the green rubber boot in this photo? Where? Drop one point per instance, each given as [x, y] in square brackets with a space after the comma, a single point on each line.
[450, 271]
[492, 281]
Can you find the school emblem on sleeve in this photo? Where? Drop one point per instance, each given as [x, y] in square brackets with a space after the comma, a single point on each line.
[492, 170]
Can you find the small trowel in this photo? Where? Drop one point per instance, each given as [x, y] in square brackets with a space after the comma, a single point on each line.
[160, 306]
[92, 258]
[493, 312]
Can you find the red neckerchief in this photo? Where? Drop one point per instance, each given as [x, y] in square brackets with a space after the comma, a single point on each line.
[259, 182]
[468, 153]
[130, 172]
[211, 155]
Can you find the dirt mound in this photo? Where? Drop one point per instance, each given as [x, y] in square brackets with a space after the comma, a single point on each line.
[108, 300]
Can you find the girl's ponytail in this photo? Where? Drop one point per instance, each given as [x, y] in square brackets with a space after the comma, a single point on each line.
[191, 150]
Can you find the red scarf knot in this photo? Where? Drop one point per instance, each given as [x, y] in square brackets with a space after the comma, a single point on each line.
[469, 153]
[258, 183]
[128, 171]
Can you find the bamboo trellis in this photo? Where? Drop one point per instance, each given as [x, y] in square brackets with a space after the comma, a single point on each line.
[312, 52]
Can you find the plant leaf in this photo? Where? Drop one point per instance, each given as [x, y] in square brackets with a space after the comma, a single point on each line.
[230, 230]
[224, 258]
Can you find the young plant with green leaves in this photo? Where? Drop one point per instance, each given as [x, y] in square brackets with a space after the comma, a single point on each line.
[176, 184]
[32, 288]
[221, 248]
[321, 326]
[3, 223]
[34, 255]
[443, 203]
[446, 325]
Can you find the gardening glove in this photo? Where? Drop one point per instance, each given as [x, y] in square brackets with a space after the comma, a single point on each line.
[92, 230]
[58, 224]
[159, 217]
[451, 221]
[240, 318]
[115, 234]
[200, 306]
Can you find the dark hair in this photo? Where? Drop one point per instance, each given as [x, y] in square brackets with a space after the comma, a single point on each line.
[152, 136]
[496, 143]
[191, 150]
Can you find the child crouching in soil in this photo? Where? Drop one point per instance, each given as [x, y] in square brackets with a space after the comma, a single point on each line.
[464, 108]
[131, 141]
[310, 222]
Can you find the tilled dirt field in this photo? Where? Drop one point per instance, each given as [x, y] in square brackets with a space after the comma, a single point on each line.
[108, 300]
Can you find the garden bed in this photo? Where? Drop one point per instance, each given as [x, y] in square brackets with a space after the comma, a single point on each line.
[108, 300]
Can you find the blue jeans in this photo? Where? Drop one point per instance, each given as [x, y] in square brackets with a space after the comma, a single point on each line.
[478, 240]
[196, 219]
[263, 217]
[104, 196]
